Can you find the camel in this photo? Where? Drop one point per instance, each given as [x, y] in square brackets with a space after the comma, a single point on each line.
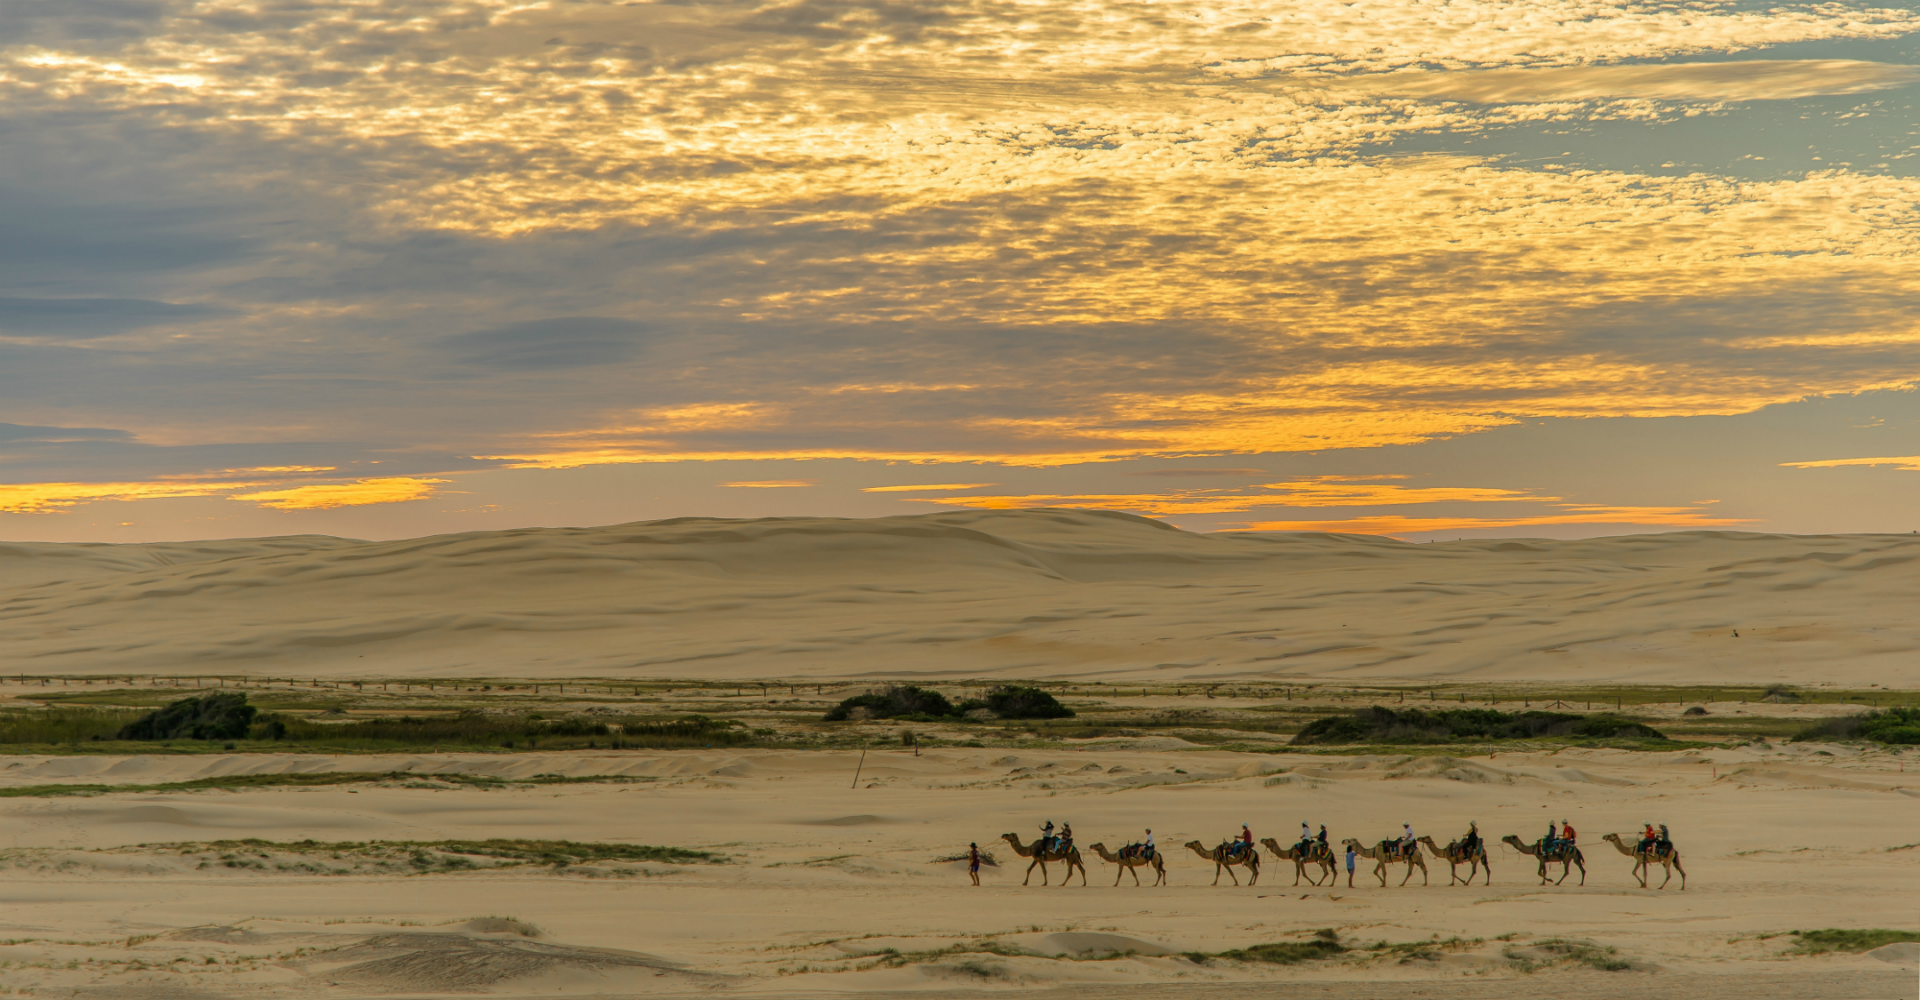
[1040, 858]
[1130, 862]
[1224, 862]
[1385, 853]
[1453, 854]
[1567, 856]
[1300, 862]
[1643, 860]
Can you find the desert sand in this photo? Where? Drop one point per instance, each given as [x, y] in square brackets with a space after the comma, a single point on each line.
[119, 894]
[821, 884]
[972, 594]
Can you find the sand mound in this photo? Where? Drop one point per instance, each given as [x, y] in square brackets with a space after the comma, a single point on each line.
[454, 962]
[969, 593]
[1081, 943]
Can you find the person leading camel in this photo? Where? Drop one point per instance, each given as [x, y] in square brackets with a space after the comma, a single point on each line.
[1350, 859]
[973, 862]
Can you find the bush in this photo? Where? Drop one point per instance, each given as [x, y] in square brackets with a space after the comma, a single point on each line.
[1385, 725]
[1895, 725]
[898, 700]
[1833, 939]
[1015, 702]
[220, 716]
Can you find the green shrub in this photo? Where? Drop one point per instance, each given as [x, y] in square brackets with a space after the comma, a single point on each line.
[1894, 726]
[220, 716]
[1385, 725]
[1834, 939]
[894, 702]
[1011, 701]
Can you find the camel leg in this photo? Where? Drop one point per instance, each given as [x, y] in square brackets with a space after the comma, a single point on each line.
[1083, 875]
[1380, 869]
[1682, 871]
[1489, 869]
[1029, 877]
[1253, 875]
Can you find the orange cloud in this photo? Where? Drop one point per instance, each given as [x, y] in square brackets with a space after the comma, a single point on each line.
[1907, 463]
[1395, 525]
[1318, 491]
[930, 486]
[43, 498]
[398, 489]
[773, 484]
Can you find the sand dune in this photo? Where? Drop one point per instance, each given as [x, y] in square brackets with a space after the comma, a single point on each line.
[1051, 593]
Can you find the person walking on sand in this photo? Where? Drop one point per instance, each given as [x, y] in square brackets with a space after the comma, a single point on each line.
[973, 862]
[1350, 857]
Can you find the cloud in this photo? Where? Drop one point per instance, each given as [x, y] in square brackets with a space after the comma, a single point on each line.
[930, 487]
[45, 498]
[774, 484]
[1397, 525]
[1909, 463]
[975, 231]
[1318, 491]
[399, 489]
[1183, 473]
[92, 317]
[1744, 80]
[560, 342]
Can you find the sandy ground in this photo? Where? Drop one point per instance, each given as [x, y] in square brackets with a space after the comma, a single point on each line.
[973, 594]
[823, 878]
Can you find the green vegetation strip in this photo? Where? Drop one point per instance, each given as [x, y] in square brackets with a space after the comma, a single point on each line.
[1899, 726]
[1383, 725]
[559, 853]
[240, 781]
[1832, 939]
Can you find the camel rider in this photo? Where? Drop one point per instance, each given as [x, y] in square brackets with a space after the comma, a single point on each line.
[1244, 842]
[1321, 839]
[1550, 842]
[1306, 840]
[1046, 837]
[1664, 843]
[1406, 840]
[1066, 838]
[1470, 844]
[1146, 849]
[1647, 839]
[1567, 836]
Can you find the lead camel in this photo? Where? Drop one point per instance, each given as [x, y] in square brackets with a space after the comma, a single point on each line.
[1040, 858]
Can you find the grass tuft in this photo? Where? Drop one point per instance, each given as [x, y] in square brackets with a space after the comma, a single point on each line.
[1828, 939]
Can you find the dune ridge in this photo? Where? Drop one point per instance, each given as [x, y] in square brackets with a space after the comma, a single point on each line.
[1031, 593]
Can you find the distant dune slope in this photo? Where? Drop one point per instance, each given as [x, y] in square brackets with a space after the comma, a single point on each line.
[1036, 593]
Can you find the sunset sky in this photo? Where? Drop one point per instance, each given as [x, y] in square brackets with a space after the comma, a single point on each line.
[1411, 267]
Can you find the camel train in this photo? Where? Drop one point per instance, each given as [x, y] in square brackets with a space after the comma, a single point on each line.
[1318, 861]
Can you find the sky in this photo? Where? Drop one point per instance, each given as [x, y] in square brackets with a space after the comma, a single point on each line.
[1422, 268]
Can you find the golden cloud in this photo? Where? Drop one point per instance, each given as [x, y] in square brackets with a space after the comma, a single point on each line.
[1319, 491]
[1744, 80]
[1907, 463]
[1397, 525]
[42, 498]
[773, 484]
[326, 496]
[927, 488]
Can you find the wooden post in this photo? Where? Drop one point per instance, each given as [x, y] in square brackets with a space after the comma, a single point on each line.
[856, 769]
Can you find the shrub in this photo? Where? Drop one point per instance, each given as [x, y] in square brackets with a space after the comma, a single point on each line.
[219, 716]
[1385, 725]
[1012, 701]
[898, 700]
[1894, 725]
[1833, 939]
